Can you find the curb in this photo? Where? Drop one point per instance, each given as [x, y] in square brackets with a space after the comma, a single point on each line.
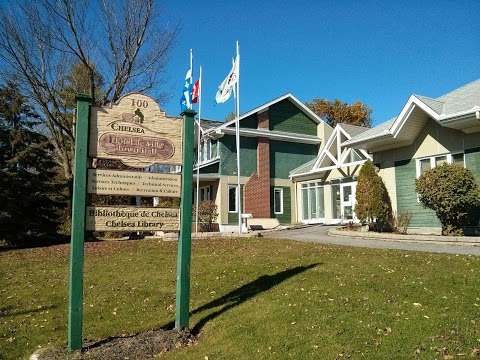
[419, 239]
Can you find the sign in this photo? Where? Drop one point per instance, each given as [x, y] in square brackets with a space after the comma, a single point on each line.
[112, 182]
[120, 218]
[136, 132]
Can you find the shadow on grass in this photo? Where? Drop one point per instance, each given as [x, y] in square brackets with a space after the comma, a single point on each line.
[11, 311]
[242, 294]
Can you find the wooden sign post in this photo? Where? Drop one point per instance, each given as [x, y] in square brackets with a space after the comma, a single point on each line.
[182, 301]
[136, 132]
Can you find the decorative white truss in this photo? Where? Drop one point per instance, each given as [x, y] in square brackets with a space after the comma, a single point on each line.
[335, 155]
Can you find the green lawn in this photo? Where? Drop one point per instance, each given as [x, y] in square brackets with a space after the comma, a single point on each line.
[252, 299]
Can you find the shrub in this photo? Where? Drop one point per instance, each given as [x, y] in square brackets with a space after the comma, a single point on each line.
[372, 201]
[401, 221]
[207, 215]
[449, 190]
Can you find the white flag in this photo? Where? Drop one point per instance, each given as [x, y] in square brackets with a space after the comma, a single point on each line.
[225, 89]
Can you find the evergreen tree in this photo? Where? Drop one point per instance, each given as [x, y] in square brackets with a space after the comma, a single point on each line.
[373, 205]
[28, 208]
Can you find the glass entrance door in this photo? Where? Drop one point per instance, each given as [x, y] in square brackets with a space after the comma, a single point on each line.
[313, 210]
[347, 201]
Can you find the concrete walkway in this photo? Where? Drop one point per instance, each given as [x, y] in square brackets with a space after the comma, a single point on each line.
[319, 234]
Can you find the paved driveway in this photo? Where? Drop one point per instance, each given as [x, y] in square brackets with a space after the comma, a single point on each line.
[319, 234]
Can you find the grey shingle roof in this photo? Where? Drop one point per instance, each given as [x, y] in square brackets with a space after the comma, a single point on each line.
[304, 168]
[434, 104]
[375, 131]
[207, 124]
[353, 130]
[464, 98]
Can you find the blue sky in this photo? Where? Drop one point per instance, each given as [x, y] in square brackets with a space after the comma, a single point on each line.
[378, 52]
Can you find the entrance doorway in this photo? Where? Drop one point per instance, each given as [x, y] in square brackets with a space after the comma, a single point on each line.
[347, 201]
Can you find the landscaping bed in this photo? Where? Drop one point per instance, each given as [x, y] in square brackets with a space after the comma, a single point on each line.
[146, 345]
[349, 232]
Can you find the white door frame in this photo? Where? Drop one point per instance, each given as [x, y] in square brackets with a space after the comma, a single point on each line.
[350, 202]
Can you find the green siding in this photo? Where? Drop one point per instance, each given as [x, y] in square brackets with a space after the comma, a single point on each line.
[286, 217]
[249, 122]
[472, 162]
[233, 217]
[286, 156]
[405, 175]
[228, 155]
[285, 116]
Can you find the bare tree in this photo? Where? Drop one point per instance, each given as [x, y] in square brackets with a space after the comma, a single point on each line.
[125, 44]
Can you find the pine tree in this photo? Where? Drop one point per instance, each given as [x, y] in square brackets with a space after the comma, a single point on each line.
[28, 205]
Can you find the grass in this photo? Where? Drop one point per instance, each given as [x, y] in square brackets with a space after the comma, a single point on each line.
[252, 299]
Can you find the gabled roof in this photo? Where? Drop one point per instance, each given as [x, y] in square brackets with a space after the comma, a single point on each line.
[265, 106]
[334, 155]
[456, 109]
[208, 124]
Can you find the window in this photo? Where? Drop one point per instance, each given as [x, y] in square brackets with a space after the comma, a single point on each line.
[278, 200]
[424, 165]
[205, 193]
[312, 202]
[432, 161]
[232, 198]
[209, 150]
[439, 160]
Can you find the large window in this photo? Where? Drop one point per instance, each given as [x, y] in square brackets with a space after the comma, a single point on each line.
[278, 200]
[430, 162]
[313, 204]
[206, 152]
[232, 198]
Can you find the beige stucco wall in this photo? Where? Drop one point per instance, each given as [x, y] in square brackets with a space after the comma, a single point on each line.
[222, 202]
[433, 140]
[324, 131]
[388, 176]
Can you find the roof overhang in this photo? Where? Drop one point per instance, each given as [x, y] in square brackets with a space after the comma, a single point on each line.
[407, 125]
[206, 177]
[273, 135]
[317, 119]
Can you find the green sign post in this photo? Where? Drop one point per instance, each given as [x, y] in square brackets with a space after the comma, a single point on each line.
[185, 240]
[75, 293]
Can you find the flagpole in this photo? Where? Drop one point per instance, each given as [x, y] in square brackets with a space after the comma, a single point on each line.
[237, 135]
[198, 146]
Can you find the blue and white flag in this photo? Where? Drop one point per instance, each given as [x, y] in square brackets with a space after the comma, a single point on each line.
[186, 99]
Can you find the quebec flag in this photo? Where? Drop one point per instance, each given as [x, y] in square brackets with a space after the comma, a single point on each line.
[186, 99]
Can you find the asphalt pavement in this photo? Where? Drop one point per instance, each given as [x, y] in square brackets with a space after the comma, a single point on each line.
[319, 234]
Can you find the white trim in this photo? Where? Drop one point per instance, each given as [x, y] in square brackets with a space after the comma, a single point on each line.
[291, 137]
[265, 106]
[342, 154]
[281, 200]
[432, 158]
[394, 130]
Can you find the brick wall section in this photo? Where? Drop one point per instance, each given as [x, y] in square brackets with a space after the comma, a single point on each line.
[257, 188]
[263, 122]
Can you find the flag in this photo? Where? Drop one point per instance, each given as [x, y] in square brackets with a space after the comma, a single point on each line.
[227, 86]
[195, 89]
[186, 99]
